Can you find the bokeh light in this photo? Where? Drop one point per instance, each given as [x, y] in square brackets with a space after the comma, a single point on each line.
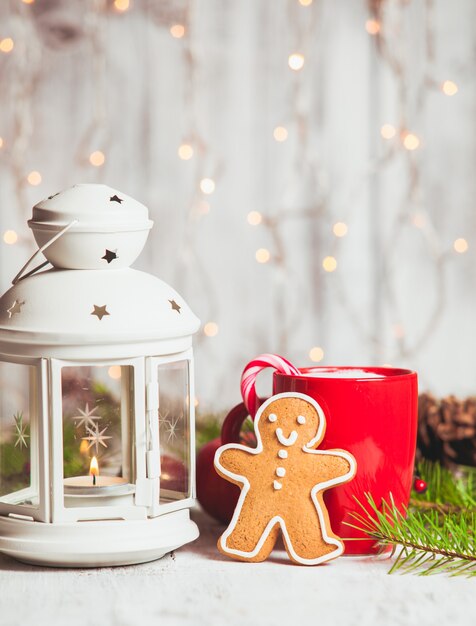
[210, 329]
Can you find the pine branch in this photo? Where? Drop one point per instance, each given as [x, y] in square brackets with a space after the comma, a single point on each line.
[446, 488]
[429, 543]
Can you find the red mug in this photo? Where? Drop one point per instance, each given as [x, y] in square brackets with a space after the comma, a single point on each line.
[372, 412]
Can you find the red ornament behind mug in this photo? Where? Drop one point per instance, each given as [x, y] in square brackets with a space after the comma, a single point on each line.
[217, 496]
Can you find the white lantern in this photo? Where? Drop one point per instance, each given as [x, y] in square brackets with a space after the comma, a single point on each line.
[97, 463]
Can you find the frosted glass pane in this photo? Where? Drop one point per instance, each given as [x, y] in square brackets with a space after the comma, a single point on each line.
[18, 440]
[174, 431]
[97, 422]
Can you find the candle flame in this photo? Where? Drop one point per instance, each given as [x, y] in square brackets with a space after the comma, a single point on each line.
[94, 467]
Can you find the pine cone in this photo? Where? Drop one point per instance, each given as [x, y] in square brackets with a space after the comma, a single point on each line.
[447, 430]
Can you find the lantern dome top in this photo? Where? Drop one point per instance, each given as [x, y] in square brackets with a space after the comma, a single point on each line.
[94, 308]
[93, 206]
[104, 308]
[88, 226]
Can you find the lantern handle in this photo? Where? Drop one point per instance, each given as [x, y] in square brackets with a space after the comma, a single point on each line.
[20, 275]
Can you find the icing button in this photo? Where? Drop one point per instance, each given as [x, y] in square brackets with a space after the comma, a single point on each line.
[277, 485]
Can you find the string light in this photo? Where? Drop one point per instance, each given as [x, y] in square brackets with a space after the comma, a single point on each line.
[262, 255]
[411, 141]
[399, 331]
[121, 5]
[296, 61]
[280, 133]
[210, 329]
[28, 1]
[207, 185]
[302, 169]
[316, 354]
[34, 178]
[461, 245]
[449, 88]
[254, 218]
[388, 53]
[97, 158]
[204, 161]
[388, 131]
[115, 372]
[6, 45]
[203, 207]
[340, 229]
[418, 220]
[185, 151]
[329, 263]
[372, 26]
[177, 31]
[394, 61]
[10, 237]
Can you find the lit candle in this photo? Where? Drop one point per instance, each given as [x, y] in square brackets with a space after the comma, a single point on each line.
[95, 485]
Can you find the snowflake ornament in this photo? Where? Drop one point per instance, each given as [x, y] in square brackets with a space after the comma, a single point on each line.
[171, 430]
[169, 426]
[20, 431]
[87, 417]
[163, 419]
[96, 437]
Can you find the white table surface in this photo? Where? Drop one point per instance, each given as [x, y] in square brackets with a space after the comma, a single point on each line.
[196, 585]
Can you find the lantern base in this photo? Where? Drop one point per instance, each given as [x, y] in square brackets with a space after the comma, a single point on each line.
[96, 543]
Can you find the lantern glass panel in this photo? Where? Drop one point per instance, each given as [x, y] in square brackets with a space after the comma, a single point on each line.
[174, 431]
[18, 441]
[98, 403]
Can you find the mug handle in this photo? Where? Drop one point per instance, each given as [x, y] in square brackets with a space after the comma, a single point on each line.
[230, 430]
[248, 378]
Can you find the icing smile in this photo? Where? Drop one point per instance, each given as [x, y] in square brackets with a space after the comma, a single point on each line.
[286, 441]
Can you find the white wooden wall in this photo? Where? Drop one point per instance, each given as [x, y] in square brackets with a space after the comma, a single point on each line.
[84, 77]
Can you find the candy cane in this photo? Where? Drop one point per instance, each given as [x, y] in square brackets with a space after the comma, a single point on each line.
[251, 371]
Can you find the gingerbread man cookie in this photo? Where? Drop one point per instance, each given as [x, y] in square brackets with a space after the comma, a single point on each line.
[282, 483]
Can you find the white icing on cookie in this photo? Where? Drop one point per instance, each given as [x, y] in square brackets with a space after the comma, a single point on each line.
[272, 417]
[301, 419]
[286, 441]
[280, 471]
[277, 485]
[283, 454]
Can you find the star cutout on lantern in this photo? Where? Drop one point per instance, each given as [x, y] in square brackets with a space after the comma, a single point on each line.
[100, 311]
[96, 437]
[110, 255]
[175, 306]
[20, 431]
[87, 417]
[15, 308]
[115, 198]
